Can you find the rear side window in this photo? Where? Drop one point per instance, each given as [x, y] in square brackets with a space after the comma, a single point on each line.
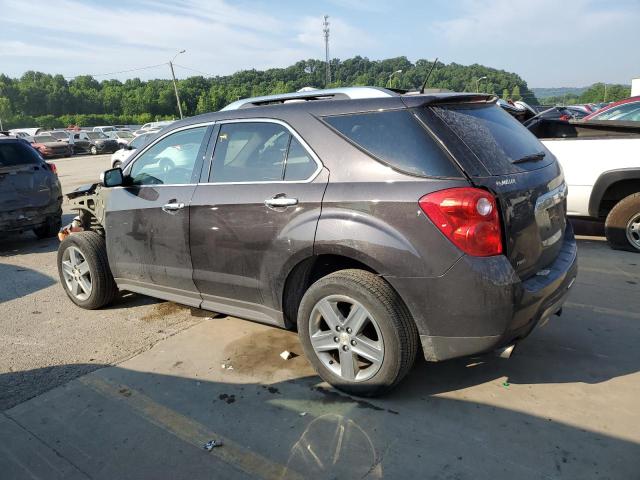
[260, 152]
[498, 140]
[17, 153]
[397, 139]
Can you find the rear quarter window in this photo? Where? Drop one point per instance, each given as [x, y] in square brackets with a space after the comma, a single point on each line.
[397, 139]
[495, 137]
[16, 153]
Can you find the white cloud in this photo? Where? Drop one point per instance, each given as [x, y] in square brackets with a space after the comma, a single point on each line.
[220, 39]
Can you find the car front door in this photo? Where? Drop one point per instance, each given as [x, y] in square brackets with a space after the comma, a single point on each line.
[254, 215]
[147, 221]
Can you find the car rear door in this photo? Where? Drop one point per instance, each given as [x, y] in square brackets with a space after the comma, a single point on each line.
[255, 214]
[147, 221]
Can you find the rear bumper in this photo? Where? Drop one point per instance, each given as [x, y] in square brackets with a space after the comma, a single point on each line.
[480, 304]
[26, 219]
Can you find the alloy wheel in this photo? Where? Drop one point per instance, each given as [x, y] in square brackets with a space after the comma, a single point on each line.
[346, 338]
[77, 275]
[633, 231]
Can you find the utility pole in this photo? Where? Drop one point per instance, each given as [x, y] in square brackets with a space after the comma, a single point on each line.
[605, 93]
[175, 85]
[325, 30]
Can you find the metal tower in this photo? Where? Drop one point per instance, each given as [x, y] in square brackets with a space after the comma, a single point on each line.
[325, 30]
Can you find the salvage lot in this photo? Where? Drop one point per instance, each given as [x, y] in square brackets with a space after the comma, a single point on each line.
[565, 404]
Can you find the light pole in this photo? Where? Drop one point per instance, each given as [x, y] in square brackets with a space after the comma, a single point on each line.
[175, 85]
[478, 83]
[391, 75]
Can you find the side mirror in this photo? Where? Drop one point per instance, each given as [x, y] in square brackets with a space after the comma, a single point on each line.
[112, 177]
[129, 147]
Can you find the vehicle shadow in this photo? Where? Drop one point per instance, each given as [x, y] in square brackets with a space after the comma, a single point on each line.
[122, 423]
[24, 281]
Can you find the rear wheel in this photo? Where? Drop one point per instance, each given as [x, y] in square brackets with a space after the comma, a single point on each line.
[357, 332]
[117, 164]
[84, 271]
[50, 228]
[94, 150]
[622, 227]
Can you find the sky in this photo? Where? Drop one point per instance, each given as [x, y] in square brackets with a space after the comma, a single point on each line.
[549, 43]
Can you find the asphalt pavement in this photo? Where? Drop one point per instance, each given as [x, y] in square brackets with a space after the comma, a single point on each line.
[137, 389]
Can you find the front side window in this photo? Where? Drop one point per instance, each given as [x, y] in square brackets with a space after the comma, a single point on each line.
[258, 152]
[171, 161]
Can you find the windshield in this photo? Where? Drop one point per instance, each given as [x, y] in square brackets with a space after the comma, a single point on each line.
[96, 135]
[45, 139]
[617, 113]
[124, 135]
[17, 153]
[498, 140]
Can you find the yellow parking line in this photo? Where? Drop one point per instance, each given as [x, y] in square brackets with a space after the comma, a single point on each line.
[189, 430]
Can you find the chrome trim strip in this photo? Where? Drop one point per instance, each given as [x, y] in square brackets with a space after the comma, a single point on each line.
[551, 198]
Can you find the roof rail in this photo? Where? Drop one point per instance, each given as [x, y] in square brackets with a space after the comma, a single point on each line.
[344, 93]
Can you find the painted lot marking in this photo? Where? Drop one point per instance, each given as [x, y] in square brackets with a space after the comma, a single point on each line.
[189, 430]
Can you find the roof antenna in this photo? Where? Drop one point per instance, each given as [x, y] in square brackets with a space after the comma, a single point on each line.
[424, 84]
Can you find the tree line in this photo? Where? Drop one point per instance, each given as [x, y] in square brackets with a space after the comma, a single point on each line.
[45, 100]
[596, 93]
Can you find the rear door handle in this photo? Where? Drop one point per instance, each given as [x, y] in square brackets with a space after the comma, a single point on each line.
[172, 207]
[281, 202]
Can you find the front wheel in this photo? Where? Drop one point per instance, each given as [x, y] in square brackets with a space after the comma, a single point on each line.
[357, 333]
[94, 150]
[622, 227]
[117, 164]
[84, 271]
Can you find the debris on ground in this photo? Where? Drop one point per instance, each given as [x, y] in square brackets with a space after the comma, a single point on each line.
[73, 227]
[287, 355]
[303, 414]
[211, 444]
[505, 384]
[227, 365]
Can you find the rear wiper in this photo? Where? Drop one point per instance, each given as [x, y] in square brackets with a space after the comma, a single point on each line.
[534, 157]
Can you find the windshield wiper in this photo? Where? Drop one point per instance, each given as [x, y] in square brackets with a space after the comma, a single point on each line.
[534, 157]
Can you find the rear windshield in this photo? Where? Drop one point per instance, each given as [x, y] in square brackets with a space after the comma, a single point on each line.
[498, 140]
[397, 139]
[17, 153]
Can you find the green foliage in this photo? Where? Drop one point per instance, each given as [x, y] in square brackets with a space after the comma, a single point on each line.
[39, 99]
[596, 93]
[515, 93]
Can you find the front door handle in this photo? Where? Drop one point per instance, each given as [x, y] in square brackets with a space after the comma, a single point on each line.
[172, 207]
[280, 202]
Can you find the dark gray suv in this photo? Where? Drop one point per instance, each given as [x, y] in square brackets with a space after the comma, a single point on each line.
[372, 222]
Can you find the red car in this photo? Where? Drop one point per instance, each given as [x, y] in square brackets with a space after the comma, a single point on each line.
[50, 147]
[621, 110]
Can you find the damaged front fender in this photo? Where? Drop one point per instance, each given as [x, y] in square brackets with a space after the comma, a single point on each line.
[90, 202]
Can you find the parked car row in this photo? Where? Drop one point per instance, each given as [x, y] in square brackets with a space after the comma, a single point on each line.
[73, 140]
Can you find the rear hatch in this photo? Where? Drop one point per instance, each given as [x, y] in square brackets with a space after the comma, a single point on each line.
[26, 181]
[499, 154]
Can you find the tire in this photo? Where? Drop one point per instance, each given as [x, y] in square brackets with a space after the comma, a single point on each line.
[388, 326]
[622, 226]
[92, 248]
[50, 228]
[117, 164]
[93, 150]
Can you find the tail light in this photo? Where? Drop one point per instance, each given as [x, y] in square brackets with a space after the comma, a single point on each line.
[53, 167]
[468, 217]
